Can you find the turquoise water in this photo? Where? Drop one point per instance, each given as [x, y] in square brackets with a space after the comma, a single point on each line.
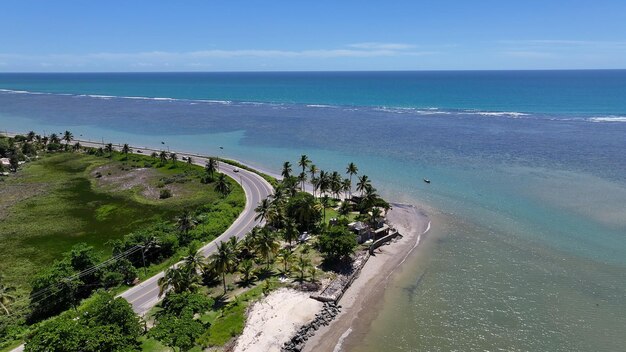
[528, 251]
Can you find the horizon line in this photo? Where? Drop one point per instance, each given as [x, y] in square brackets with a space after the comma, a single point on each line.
[322, 71]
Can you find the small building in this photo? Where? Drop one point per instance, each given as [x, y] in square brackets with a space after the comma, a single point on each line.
[361, 230]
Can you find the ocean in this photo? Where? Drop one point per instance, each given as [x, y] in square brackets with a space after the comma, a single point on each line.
[528, 195]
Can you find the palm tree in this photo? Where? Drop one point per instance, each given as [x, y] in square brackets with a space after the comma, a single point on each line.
[346, 186]
[211, 167]
[185, 222]
[344, 209]
[126, 149]
[154, 155]
[67, 137]
[266, 245]
[323, 182]
[291, 232]
[194, 259]
[6, 296]
[189, 160]
[285, 256]
[302, 179]
[76, 146]
[54, 138]
[335, 184]
[163, 157]
[304, 163]
[222, 261]
[173, 278]
[375, 214]
[45, 140]
[109, 149]
[263, 209]
[286, 170]
[363, 184]
[302, 265]
[222, 186]
[173, 158]
[30, 136]
[315, 181]
[351, 170]
[325, 204]
[245, 268]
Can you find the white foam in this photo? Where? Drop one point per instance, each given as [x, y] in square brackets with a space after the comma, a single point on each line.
[611, 118]
[343, 336]
[320, 106]
[511, 114]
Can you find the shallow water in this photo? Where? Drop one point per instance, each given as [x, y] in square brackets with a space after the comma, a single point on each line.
[532, 252]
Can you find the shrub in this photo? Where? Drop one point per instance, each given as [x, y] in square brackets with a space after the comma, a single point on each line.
[165, 193]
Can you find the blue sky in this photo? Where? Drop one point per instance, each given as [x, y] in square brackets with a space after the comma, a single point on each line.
[275, 35]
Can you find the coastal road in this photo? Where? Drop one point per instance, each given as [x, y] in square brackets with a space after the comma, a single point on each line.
[146, 295]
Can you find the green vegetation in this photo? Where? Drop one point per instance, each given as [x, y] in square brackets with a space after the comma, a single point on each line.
[104, 324]
[99, 202]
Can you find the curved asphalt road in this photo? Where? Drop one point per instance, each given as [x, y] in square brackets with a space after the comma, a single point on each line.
[146, 295]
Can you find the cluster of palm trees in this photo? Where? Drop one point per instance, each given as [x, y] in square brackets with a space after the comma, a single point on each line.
[254, 253]
[324, 182]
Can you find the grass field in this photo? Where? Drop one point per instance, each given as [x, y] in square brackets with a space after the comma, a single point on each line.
[66, 198]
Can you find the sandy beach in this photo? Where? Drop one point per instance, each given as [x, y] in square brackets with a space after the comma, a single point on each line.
[412, 223]
[273, 320]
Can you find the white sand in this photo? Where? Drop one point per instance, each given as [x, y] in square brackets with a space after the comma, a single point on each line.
[274, 320]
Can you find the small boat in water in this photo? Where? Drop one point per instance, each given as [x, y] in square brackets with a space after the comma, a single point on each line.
[426, 180]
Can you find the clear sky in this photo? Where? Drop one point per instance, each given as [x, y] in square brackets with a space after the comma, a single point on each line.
[275, 35]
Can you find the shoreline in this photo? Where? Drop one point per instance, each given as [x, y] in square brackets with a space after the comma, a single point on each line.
[369, 287]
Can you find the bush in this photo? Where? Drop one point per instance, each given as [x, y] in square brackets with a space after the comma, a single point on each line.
[165, 193]
[337, 243]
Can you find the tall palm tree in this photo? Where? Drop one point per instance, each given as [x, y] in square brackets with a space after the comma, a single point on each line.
[315, 181]
[263, 209]
[304, 163]
[335, 184]
[222, 261]
[266, 245]
[285, 256]
[302, 179]
[189, 160]
[67, 137]
[351, 170]
[313, 170]
[286, 173]
[30, 136]
[185, 222]
[173, 278]
[126, 149]
[194, 260]
[344, 209]
[211, 167]
[363, 183]
[109, 149]
[302, 265]
[245, 268]
[325, 204]
[291, 232]
[154, 155]
[173, 158]
[222, 186]
[346, 186]
[54, 138]
[323, 182]
[6, 296]
[163, 157]
[76, 146]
